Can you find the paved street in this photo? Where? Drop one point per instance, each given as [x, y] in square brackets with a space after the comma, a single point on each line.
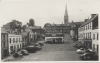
[55, 52]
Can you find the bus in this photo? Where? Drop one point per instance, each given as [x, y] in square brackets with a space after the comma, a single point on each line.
[54, 38]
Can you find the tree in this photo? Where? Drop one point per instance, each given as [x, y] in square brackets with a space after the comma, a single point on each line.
[15, 24]
[24, 27]
[31, 22]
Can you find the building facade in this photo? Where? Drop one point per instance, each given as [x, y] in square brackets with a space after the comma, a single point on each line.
[14, 42]
[56, 28]
[74, 29]
[88, 33]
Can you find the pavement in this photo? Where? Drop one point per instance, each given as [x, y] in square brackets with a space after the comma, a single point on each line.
[54, 52]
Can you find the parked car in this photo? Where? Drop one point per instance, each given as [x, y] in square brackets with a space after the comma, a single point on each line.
[38, 46]
[81, 50]
[24, 52]
[42, 44]
[89, 56]
[18, 55]
[31, 48]
[88, 50]
[82, 46]
[78, 44]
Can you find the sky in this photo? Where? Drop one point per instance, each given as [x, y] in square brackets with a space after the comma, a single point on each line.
[46, 11]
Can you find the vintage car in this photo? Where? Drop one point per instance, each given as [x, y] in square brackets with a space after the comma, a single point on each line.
[24, 52]
[18, 55]
[31, 48]
[89, 56]
[81, 50]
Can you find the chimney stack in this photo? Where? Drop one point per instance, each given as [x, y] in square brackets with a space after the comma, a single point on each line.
[92, 15]
[85, 20]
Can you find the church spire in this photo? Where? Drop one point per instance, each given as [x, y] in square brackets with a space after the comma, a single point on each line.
[66, 16]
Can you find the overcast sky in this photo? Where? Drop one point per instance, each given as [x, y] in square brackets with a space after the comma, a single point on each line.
[46, 11]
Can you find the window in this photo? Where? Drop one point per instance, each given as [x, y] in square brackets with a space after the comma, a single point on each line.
[4, 44]
[90, 34]
[93, 36]
[97, 48]
[4, 37]
[10, 40]
[19, 39]
[88, 26]
[22, 39]
[97, 36]
[17, 46]
[16, 39]
[86, 35]
[20, 46]
[13, 40]
[94, 47]
[84, 27]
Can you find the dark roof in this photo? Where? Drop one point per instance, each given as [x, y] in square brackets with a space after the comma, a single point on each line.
[34, 27]
[48, 24]
[78, 23]
[24, 34]
[89, 20]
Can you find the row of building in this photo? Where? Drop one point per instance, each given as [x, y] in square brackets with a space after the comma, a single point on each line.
[87, 32]
[56, 28]
[13, 40]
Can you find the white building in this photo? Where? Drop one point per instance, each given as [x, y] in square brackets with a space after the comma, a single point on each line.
[95, 40]
[14, 42]
[88, 34]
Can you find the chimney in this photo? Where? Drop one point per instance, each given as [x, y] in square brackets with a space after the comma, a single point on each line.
[92, 15]
[85, 20]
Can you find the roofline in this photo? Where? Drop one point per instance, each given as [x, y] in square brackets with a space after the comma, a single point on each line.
[90, 21]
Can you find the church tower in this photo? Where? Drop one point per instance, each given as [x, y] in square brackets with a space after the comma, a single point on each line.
[66, 16]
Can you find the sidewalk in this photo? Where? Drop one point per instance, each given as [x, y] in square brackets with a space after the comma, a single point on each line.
[7, 58]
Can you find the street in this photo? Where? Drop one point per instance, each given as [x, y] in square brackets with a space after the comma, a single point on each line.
[54, 52]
